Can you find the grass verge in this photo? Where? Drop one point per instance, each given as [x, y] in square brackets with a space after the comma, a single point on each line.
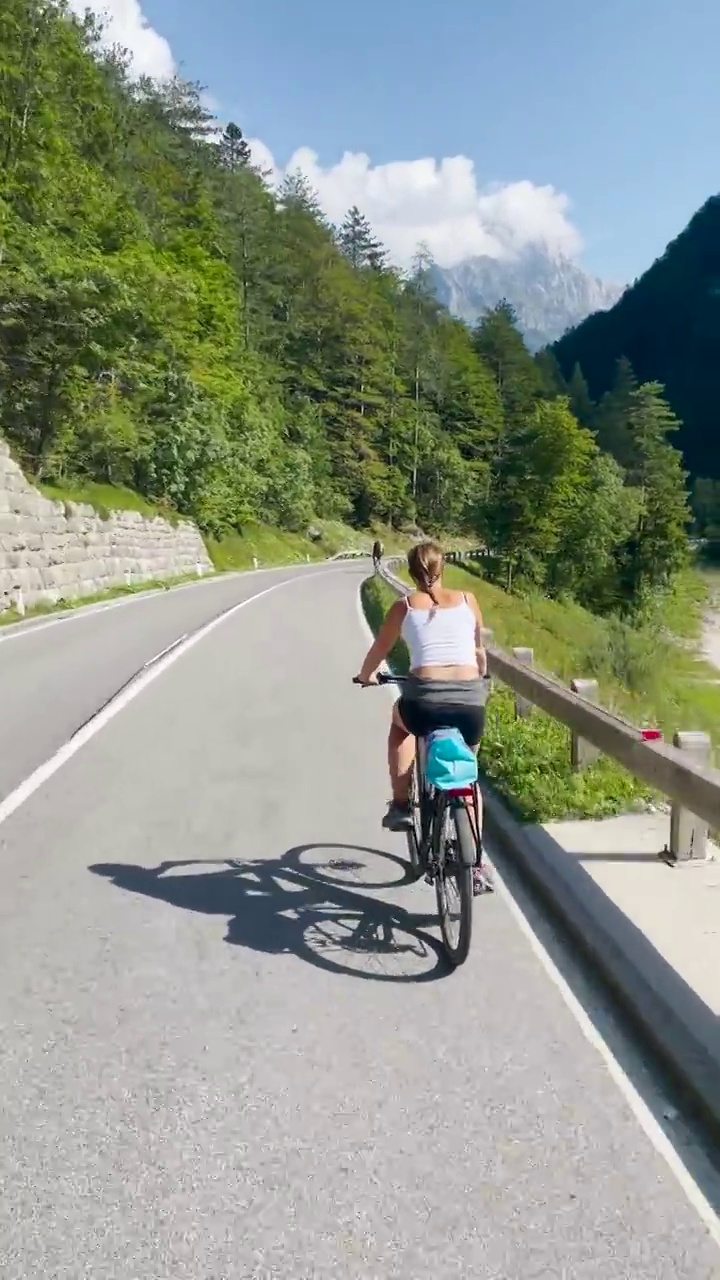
[276, 546]
[106, 498]
[528, 760]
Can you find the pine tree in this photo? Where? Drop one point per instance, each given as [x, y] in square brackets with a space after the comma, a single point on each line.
[534, 487]
[297, 193]
[598, 523]
[659, 546]
[357, 242]
[581, 405]
[171, 322]
[706, 508]
[234, 150]
[498, 341]
[421, 310]
[611, 420]
[551, 377]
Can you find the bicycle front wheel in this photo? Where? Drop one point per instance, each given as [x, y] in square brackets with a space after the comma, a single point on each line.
[454, 850]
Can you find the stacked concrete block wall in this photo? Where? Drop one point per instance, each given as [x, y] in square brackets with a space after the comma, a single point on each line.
[53, 551]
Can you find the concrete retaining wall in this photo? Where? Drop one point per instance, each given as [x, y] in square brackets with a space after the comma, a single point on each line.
[51, 551]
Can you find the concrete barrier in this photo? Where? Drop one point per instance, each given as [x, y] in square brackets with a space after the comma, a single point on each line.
[52, 551]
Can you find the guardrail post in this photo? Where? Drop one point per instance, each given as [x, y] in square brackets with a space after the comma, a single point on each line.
[582, 752]
[688, 833]
[522, 706]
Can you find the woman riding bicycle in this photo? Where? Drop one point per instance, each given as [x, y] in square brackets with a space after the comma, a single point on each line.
[445, 690]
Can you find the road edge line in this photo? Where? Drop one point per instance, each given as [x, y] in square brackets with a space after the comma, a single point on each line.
[33, 626]
[127, 694]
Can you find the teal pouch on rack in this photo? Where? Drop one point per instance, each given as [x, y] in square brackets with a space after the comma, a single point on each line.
[450, 763]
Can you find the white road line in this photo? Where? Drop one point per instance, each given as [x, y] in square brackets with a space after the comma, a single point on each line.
[21, 630]
[150, 672]
[635, 1101]
[642, 1113]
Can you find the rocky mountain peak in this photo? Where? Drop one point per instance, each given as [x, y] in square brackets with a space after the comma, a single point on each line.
[549, 292]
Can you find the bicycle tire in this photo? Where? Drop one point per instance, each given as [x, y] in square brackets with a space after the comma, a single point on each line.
[460, 869]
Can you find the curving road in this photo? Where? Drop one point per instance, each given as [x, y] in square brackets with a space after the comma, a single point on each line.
[229, 1049]
[56, 673]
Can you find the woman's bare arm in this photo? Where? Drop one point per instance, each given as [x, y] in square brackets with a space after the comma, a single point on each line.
[386, 637]
[480, 649]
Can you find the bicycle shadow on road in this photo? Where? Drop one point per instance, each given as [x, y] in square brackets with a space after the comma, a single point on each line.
[288, 906]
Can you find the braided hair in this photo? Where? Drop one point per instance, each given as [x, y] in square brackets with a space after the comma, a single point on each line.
[426, 562]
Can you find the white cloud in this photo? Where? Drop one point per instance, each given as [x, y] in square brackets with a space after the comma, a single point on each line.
[126, 25]
[439, 202]
[442, 203]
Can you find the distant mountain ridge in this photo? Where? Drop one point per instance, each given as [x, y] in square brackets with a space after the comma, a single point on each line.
[549, 292]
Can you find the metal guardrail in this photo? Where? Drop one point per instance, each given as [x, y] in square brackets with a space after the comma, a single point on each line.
[681, 771]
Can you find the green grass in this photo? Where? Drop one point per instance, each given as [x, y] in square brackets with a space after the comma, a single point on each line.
[106, 498]
[276, 546]
[528, 761]
[376, 600]
[683, 610]
[642, 675]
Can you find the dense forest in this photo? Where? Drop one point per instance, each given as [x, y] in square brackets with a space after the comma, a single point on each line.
[170, 322]
[666, 328]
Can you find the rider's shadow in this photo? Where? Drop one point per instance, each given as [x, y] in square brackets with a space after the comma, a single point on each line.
[286, 906]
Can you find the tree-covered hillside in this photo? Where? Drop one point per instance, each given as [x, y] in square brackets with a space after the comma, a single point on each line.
[668, 327]
[170, 323]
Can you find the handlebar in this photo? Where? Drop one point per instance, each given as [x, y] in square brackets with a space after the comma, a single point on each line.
[383, 677]
[387, 677]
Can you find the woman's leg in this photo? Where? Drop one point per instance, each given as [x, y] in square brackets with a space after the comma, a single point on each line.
[471, 724]
[401, 756]
[478, 802]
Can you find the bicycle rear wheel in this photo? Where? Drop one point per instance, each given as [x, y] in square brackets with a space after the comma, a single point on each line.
[454, 850]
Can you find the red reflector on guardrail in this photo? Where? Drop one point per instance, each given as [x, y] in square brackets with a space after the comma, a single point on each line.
[651, 735]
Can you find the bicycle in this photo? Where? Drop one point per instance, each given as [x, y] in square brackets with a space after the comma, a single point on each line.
[435, 854]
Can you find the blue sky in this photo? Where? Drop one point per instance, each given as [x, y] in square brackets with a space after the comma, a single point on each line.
[615, 106]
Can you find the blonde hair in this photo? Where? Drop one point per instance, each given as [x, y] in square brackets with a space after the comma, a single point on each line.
[426, 562]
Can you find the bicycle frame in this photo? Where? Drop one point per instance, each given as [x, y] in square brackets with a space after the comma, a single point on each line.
[429, 797]
[434, 855]
[431, 802]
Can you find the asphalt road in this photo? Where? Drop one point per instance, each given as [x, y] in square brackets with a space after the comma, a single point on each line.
[56, 673]
[229, 1048]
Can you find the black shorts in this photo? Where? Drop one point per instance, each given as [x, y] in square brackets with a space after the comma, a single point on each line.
[426, 705]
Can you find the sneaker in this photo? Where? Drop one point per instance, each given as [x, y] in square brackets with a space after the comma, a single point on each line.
[482, 880]
[398, 817]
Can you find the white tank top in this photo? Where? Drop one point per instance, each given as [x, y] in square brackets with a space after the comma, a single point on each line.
[440, 637]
